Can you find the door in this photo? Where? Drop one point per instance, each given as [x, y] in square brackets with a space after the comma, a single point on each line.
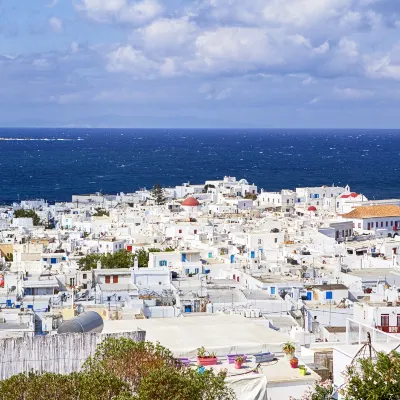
[385, 320]
[309, 295]
[369, 226]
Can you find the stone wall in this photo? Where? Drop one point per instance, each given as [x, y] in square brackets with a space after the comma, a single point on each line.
[61, 354]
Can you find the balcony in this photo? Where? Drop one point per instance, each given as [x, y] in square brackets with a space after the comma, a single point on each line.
[389, 329]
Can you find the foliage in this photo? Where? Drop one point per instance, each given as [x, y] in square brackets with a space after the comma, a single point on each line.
[27, 214]
[85, 386]
[184, 384]
[121, 369]
[100, 213]
[288, 348]
[250, 196]
[120, 259]
[158, 194]
[208, 186]
[320, 391]
[370, 379]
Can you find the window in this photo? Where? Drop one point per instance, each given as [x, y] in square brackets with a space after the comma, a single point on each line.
[196, 270]
[119, 298]
[387, 224]
[328, 296]
[108, 279]
[359, 224]
[84, 276]
[209, 255]
[53, 261]
[72, 281]
[115, 278]
[259, 241]
[398, 319]
[163, 263]
[180, 231]
[391, 223]
[195, 231]
[385, 320]
[276, 240]
[381, 224]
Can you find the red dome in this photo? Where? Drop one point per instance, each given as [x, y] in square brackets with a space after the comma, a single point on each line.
[190, 202]
[312, 208]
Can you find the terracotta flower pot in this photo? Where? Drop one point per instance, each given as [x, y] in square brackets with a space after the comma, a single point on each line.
[294, 362]
[238, 364]
[207, 360]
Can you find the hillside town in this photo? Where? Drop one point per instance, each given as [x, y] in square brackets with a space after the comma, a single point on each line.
[306, 276]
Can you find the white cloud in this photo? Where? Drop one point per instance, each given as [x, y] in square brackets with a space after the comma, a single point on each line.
[122, 11]
[41, 64]
[56, 24]
[129, 60]
[315, 100]
[353, 94]
[211, 93]
[167, 35]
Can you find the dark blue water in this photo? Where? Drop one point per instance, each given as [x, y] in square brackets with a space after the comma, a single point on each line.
[127, 159]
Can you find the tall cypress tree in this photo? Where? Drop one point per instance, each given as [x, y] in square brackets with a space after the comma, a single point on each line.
[158, 194]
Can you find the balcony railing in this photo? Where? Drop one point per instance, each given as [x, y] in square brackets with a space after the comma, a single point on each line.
[389, 329]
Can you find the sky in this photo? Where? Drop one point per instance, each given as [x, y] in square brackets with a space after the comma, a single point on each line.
[200, 63]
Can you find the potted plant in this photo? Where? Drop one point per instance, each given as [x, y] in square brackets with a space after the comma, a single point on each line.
[289, 349]
[239, 362]
[205, 358]
[294, 362]
[232, 357]
[302, 370]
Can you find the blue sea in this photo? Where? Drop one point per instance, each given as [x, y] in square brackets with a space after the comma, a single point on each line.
[56, 163]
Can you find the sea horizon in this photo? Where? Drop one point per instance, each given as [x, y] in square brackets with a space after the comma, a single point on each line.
[66, 161]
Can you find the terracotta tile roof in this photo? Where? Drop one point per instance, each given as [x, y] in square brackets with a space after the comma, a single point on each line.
[378, 211]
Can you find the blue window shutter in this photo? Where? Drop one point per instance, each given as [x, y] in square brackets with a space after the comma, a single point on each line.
[160, 263]
[53, 261]
[328, 295]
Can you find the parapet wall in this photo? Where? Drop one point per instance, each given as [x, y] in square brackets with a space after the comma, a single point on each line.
[60, 354]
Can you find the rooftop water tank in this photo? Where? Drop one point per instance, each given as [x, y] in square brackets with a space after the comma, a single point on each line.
[86, 322]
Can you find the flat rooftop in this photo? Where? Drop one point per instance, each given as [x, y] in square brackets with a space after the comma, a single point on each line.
[374, 272]
[220, 333]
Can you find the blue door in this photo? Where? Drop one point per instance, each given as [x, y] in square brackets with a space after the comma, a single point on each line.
[183, 257]
[232, 258]
[252, 254]
[309, 295]
[272, 290]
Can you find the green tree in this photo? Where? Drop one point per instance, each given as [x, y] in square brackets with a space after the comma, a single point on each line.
[158, 194]
[100, 213]
[121, 369]
[152, 373]
[208, 186]
[181, 384]
[373, 379]
[89, 262]
[46, 386]
[250, 196]
[27, 214]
